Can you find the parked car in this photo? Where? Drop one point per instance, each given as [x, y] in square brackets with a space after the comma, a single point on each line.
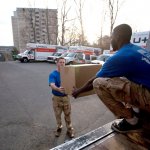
[101, 59]
[53, 57]
[63, 55]
[74, 58]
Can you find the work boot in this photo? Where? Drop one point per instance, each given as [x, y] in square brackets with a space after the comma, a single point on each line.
[71, 132]
[125, 127]
[58, 131]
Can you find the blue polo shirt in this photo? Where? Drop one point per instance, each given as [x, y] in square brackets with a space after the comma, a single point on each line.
[132, 62]
[54, 77]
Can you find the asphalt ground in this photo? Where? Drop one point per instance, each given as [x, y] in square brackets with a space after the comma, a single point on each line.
[27, 119]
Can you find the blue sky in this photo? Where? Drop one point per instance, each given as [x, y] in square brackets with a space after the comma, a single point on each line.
[133, 12]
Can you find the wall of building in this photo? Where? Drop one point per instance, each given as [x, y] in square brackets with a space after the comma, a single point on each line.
[34, 25]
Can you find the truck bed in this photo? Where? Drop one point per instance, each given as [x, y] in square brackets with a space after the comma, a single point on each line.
[104, 138]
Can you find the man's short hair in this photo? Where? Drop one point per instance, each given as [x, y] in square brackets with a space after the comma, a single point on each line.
[124, 31]
[59, 58]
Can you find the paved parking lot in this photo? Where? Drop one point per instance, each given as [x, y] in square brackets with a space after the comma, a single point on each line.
[27, 120]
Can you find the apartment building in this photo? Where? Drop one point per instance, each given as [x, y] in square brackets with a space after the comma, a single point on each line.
[34, 25]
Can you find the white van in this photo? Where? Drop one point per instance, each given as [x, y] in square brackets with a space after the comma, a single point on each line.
[74, 58]
[101, 59]
[53, 57]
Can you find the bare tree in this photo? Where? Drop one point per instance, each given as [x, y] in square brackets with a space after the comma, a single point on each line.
[31, 18]
[72, 34]
[80, 6]
[64, 11]
[64, 19]
[25, 32]
[101, 29]
[113, 10]
[105, 41]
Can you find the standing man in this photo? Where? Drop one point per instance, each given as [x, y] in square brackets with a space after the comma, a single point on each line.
[123, 83]
[61, 102]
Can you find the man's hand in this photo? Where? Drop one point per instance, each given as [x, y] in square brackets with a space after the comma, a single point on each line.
[61, 90]
[75, 92]
[88, 86]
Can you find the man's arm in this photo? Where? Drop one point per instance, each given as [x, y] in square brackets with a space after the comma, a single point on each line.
[59, 89]
[88, 86]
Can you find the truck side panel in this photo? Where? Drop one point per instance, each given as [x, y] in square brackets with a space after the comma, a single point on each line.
[43, 53]
[140, 38]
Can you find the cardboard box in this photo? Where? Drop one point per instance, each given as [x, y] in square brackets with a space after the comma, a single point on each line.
[77, 76]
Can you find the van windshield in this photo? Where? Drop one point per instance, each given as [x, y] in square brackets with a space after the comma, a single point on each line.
[26, 51]
[64, 54]
[103, 57]
[57, 54]
[71, 54]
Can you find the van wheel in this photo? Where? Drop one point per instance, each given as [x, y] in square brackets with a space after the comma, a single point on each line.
[55, 61]
[70, 63]
[25, 60]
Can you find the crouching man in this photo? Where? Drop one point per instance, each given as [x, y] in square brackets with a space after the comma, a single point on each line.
[123, 82]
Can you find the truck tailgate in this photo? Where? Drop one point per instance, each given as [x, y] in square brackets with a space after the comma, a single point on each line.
[103, 138]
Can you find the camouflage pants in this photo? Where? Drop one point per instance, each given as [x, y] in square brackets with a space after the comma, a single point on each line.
[116, 92]
[62, 104]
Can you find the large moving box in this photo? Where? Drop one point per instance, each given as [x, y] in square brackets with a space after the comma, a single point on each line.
[77, 76]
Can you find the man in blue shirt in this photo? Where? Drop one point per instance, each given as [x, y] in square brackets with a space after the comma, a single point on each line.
[123, 83]
[61, 102]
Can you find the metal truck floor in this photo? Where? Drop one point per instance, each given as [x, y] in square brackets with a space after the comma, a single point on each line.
[102, 138]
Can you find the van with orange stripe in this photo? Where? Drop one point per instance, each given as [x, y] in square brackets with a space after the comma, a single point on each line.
[81, 54]
[38, 52]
